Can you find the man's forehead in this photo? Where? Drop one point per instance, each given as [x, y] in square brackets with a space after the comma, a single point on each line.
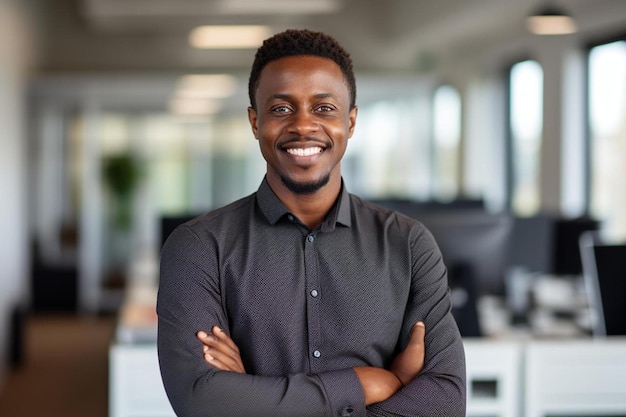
[300, 66]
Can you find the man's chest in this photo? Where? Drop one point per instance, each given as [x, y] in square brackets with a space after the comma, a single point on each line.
[311, 294]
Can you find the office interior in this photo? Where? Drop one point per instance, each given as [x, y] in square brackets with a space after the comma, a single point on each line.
[118, 124]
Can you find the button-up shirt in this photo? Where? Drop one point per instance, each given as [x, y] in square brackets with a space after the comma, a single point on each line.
[305, 307]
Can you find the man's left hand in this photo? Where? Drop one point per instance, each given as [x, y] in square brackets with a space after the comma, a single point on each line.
[220, 351]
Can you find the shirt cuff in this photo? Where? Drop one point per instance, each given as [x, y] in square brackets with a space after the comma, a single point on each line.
[344, 392]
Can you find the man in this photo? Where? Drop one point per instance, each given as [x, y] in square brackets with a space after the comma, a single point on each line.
[302, 299]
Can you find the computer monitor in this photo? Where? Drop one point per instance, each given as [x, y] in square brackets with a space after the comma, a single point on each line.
[566, 251]
[604, 271]
[548, 244]
[476, 240]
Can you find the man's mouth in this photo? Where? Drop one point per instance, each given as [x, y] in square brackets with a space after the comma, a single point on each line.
[305, 151]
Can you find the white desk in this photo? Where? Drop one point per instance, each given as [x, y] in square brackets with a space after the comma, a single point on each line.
[135, 387]
[494, 375]
[577, 377]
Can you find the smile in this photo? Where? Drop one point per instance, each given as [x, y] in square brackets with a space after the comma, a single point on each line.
[304, 151]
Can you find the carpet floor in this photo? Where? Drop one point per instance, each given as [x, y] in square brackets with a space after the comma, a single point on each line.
[64, 371]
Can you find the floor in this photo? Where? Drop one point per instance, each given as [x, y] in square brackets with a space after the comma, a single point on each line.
[64, 371]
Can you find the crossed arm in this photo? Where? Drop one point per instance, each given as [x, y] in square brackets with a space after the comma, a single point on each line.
[378, 384]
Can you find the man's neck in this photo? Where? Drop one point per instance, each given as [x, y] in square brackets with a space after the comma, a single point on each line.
[311, 209]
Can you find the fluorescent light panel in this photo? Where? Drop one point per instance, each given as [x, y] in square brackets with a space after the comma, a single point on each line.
[228, 37]
[188, 107]
[200, 94]
[278, 6]
[551, 25]
[211, 86]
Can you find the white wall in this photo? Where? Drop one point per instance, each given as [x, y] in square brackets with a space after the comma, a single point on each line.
[14, 252]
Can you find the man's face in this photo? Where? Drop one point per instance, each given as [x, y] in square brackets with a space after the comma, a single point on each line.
[302, 121]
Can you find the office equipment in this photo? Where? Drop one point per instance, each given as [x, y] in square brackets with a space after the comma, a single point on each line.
[475, 240]
[566, 254]
[548, 244]
[605, 280]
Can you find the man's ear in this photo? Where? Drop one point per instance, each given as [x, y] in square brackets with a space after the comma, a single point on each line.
[352, 120]
[252, 118]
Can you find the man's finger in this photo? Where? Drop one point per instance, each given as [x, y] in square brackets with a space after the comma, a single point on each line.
[222, 336]
[418, 332]
[220, 351]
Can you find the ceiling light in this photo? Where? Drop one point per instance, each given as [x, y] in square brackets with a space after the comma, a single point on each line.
[278, 6]
[550, 20]
[207, 86]
[193, 107]
[228, 37]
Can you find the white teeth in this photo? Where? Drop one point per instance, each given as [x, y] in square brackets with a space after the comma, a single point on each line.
[304, 152]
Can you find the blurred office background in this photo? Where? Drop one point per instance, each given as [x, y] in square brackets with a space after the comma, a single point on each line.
[120, 119]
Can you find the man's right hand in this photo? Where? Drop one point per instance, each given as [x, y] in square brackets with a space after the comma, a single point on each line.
[379, 384]
[410, 361]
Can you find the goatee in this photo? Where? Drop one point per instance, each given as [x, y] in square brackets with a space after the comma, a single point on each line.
[305, 188]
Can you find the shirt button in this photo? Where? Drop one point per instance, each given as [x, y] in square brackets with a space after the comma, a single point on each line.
[317, 353]
[311, 238]
[347, 411]
[314, 293]
[290, 217]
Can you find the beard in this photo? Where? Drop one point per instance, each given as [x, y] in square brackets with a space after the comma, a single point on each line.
[307, 187]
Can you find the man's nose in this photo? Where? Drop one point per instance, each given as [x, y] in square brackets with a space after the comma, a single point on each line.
[302, 123]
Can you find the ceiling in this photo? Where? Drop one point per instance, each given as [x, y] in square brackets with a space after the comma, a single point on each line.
[131, 53]
[390, 36]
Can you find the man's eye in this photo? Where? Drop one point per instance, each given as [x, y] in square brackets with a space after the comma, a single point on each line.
[324, 109]
[280, 109]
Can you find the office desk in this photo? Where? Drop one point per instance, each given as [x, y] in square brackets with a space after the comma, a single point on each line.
[575, 377]
[135, 387]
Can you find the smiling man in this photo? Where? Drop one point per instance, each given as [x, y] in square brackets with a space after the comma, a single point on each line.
[302, 299]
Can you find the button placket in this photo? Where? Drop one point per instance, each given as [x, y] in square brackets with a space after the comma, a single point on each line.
[313, 300]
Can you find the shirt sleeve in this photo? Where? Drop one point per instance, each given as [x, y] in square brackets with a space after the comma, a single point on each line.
[439, 389]
[189, 300]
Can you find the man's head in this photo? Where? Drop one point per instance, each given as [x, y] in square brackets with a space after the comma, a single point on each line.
[301, 43]
[303, 111]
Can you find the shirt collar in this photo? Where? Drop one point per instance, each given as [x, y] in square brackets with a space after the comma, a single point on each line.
[273, 209]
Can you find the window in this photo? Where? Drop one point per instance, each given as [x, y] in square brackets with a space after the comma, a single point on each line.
[526, 121]
[388, 155]
[446, 139]
[607, 119]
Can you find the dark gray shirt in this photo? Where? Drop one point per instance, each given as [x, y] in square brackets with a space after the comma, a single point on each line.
[305, 307]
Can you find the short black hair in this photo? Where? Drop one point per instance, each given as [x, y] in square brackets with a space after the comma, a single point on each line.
[301, 42]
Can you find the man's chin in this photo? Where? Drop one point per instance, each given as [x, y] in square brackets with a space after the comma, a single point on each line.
[305, 188]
